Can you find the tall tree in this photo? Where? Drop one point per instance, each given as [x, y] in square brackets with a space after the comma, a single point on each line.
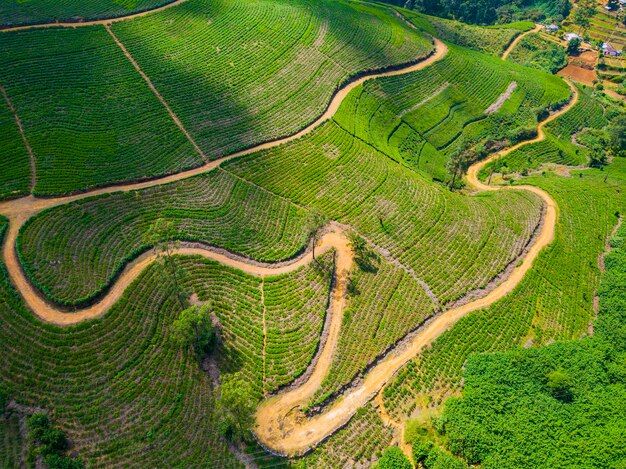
[193, 328]
[235, 407]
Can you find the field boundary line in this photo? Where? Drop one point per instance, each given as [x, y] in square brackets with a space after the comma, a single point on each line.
[262, 287]
[29, 150]
[78, 24]
[156, 93]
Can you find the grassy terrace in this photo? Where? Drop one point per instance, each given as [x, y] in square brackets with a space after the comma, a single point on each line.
[538, 52]
[17, 12]
[545, 424]
[554, 302]
[492, 40]
[384, 306]
[74, 251]
[423, 118]
[558, 148]
[125, 395]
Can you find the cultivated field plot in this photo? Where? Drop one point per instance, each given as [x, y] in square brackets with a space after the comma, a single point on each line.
[452, 242]
[423, 118]
[74, 251]
[536, 51]
[492, 40]
[408, 245]
[87, 114]
[19, 12]
[554, 302]
[384, 306]
[126, 396]
[560, 146]
[238, 73]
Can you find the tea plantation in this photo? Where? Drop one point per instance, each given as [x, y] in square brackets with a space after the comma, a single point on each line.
[266, 287]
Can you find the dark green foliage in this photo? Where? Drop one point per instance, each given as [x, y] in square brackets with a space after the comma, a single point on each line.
[617, 133]
[89, 117]
[598, 144]
[490, 11]
[11, 441]
[393, 458]
[50, 443]
[235, 407]
[257, 70]
[14, 160]
[573, 46]
[194, 329]
[553, 302]
[539, 407]
[489, 40]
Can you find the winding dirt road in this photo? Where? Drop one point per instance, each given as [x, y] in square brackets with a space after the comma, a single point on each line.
[281, 425]
[106, 21]
[515, 41]
[18, 211]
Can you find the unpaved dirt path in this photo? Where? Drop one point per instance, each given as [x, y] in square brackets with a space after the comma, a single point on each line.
[29, 150]
[283, 428]
[105, 21]
[515, 41]
[281, 425]
[18, 211]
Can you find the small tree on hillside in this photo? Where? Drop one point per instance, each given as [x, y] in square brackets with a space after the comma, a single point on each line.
[162, 236]
[585, 9]
[193, 328]
[558, 383]
[393, 458]
[365, 258]
[316, 225]
[235, 407]
[458, 164]
[573, 45]
[617, 135]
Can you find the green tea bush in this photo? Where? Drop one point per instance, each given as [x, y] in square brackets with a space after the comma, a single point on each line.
[215, 208]
[537, 52]
[359, 441]
[537, 407]
[254, 71]
[424, 118]
[389, 304]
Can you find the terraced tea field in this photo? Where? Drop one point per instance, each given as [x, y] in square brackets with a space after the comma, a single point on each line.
[95, 122]
[16, 12]
[295, 171]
